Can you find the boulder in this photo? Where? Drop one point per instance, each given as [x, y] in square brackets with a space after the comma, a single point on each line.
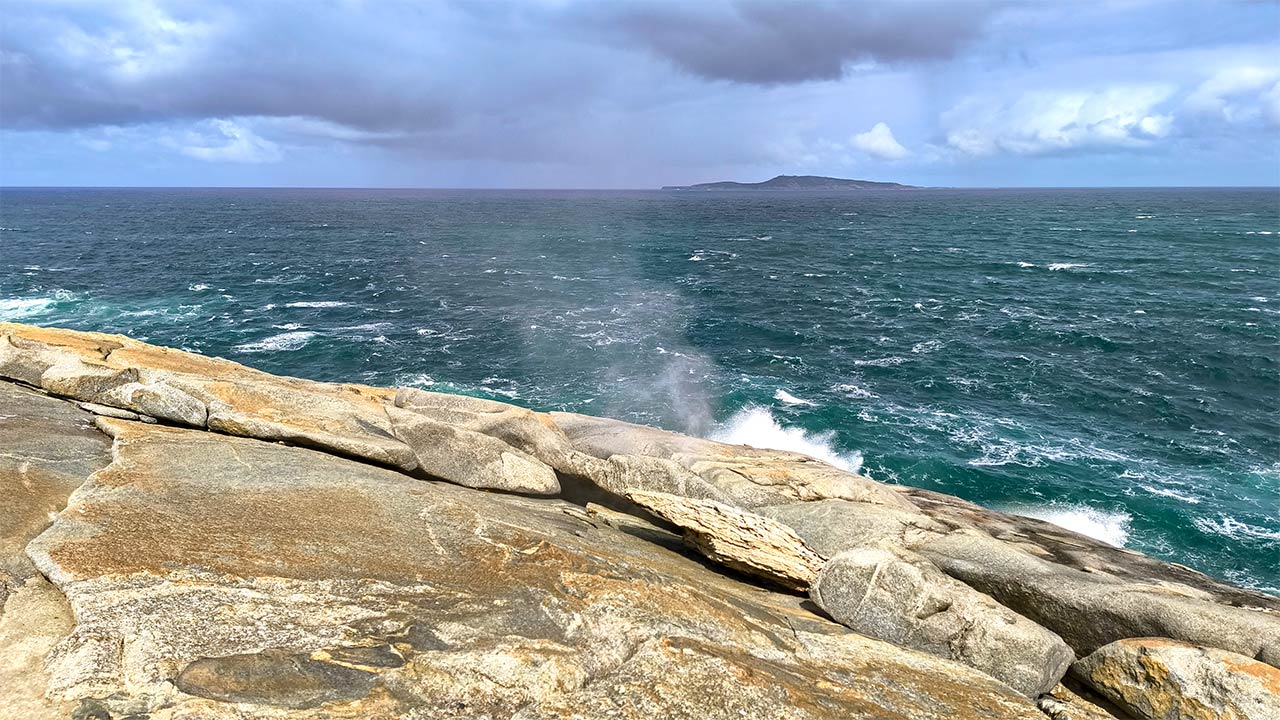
[208, 576]
[899, 597]
[1160, 679]
[738, 539]
[1087, 605]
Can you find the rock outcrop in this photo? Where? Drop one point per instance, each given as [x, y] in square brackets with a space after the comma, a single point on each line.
[1088, 604]
[184, 537]
[1157, 679]
[898, 596]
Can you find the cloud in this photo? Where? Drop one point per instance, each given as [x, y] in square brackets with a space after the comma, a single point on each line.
[773, 42]
[879, 142]
[230, 141]
[1239, 95]
[1041, 122]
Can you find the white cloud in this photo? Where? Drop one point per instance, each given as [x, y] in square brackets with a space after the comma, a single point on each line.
[879, 142]
[231, 142]
[1043, 121]
[1239, 95]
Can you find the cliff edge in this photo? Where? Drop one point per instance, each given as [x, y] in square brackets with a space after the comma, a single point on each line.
[185, 537]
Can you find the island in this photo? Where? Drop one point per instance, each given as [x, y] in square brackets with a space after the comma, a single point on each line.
[796, 182]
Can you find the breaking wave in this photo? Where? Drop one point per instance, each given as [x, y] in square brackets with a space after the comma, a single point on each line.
[1111, 528]
[756, 426]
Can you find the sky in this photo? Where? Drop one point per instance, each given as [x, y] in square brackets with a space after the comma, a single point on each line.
[631, 94]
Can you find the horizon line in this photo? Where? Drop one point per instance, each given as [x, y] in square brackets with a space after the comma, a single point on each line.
[670, 189]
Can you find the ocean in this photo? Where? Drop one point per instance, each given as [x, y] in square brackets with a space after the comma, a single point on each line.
[1108, 360]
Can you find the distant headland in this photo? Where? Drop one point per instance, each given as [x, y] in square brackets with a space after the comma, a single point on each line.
[796, 182]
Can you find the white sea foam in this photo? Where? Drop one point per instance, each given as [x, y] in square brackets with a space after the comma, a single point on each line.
[756, 426]
[1025, 264]
[880, 362]
[284, 341]
[1166, 492]
[853, 391]
[316, 304]
[1229, 527]
[788, 398]
[1111, 528]
[1068, 266]
[197, 287]
[18, 308]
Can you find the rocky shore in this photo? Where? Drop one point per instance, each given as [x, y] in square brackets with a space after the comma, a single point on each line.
[185, 537]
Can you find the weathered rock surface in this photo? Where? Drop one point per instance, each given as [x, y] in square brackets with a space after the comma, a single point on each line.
[198, 391]
[750, 477]
[47, 448]
[1159, 679]
[1084, 604]
[190, 574]
[1063, 703]
[902, 598]
[277, 581]
[738, 539]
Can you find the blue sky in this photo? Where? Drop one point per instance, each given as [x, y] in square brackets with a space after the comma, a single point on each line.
[615, 94]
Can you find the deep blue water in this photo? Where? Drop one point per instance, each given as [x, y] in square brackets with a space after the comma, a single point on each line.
[1108, 359]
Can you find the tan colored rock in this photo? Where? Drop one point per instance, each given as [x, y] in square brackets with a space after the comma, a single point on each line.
[898, 596]
[48, 448]
[1037, 576]
[189, 389]
[750, 477]
[1063, 703]
[738, 539]
[1160, 679]
[221, 577]
[471, 459]
[36, 617]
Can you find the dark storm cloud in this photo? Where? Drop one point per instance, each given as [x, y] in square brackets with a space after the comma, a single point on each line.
[411, 68]
[785, 42]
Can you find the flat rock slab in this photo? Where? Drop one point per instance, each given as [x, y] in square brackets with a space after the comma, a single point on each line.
[47, 449]
[1159, 679]
[197, 564]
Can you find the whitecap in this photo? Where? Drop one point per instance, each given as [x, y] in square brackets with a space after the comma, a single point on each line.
[880, 362]
[18, 308]
[415, 380]
[696, 257]
[853, 391]
[788, 398]
[316, 304]
[1068, 266]
[1025, 264]
[1166, 492]
[197, 287]
[1111, 528]
[756, 426]
[1230, 527]
[283, 342]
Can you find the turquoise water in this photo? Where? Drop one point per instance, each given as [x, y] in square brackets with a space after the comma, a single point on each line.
[1107, 359]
